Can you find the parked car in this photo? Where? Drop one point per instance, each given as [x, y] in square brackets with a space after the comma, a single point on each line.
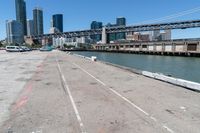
[14, 49]
[46, 48]
[26, 48]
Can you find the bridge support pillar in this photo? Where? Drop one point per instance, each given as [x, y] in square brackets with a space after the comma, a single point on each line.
[104, 36]
[185, 46]
[198, 47]
[173, 47]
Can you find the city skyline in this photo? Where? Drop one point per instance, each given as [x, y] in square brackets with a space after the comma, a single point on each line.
[80, 22]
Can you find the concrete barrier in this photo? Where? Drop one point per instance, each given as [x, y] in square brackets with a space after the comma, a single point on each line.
[180, 82]
[93, 58]
[148, 74]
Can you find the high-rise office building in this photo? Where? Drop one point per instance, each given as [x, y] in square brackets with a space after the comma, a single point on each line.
[20, 6]
[38, 21]
[121, 21]
[96, 25]
[14, 31]
[58, 21]
[30, 28]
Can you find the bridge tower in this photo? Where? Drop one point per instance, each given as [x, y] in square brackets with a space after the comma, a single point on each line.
[104, 35]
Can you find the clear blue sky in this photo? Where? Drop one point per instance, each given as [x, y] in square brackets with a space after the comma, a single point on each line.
[78, 14]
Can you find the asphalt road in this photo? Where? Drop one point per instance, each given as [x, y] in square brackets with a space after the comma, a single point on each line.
[68, 94]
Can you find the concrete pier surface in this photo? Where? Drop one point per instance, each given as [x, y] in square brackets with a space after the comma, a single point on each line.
[60, 93]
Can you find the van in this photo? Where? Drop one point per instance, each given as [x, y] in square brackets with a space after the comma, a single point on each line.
[14, 49]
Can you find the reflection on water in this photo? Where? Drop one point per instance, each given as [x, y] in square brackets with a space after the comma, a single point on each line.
[181, 67]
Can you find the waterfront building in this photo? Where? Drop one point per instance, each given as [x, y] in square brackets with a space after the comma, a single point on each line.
[30, 28]
[76, 41]
[20, 6]
[136, 36]
[14, 31]
[57, 20]
[38, 21]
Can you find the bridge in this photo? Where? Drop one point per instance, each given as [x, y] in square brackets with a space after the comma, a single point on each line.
[118, 29]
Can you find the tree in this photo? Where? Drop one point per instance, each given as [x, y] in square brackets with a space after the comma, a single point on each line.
[36, 45]
[1, 45]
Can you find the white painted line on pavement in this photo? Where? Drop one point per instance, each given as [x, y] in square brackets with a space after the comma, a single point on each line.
[153, 118]
[168, 129]
[90, 75]
[71, 99]
[124, 98]
[115, 92]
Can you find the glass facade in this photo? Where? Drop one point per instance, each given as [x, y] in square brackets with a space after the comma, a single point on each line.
[58, 22]
[14, 30]
[121, 21]
[111, 37]
[20, 6]
[38, 21]
[30, 28]
[96, 25]
[117, 36]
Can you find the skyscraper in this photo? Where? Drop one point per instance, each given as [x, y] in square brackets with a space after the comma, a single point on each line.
[121, 21]
[20, 6]
[14, 31]
[96, 25]
[30, 27]
[38, 21]
[58, 21]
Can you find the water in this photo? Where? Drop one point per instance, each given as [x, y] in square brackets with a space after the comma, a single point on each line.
[187, 68]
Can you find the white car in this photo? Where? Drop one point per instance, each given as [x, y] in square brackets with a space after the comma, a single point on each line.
[14, 49]
[25, 48]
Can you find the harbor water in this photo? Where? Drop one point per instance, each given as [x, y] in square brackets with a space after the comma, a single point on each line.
[187, 68]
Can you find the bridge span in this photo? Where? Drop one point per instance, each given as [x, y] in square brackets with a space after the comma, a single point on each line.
[118, 29]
